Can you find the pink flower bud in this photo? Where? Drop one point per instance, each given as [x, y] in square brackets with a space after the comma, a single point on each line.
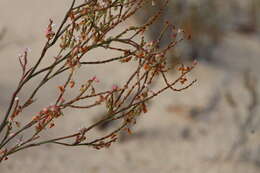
[114, 87]
[95, 79]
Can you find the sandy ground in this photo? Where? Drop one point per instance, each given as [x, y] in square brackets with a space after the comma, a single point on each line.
[192, 131]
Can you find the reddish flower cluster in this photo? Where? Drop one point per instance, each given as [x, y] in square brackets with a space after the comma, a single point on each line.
[46, 116]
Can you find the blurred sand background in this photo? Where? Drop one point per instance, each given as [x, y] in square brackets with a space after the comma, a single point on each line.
[202, 129]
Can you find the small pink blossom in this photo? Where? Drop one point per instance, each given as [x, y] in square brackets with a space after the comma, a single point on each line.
[49, 32]
[95, 79]
[44, 110]
[114, 87]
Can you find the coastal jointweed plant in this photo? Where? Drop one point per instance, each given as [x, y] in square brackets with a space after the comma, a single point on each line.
[85, 27]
